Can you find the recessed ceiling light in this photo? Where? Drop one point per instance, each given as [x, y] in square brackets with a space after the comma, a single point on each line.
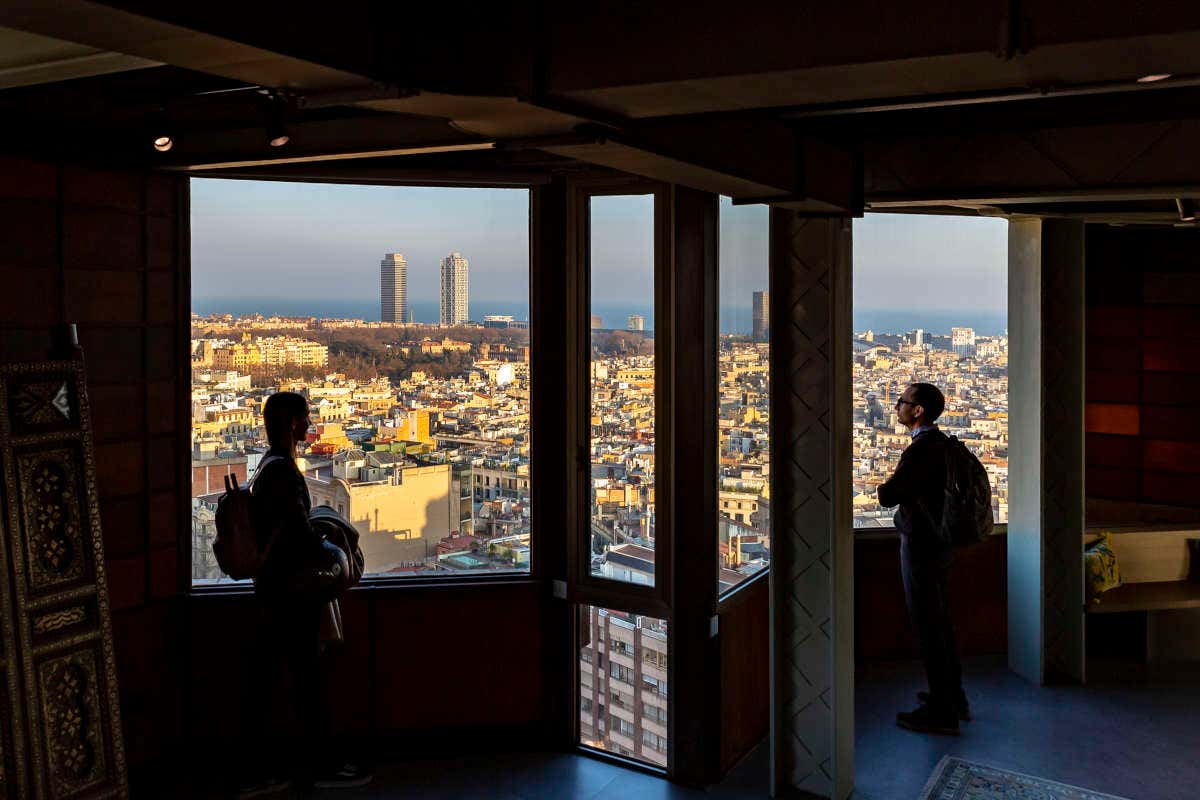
[163, 143]
[1154, 78]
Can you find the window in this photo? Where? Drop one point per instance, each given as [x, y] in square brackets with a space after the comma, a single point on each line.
[624, 688]
[622, 448]
[655, 658]
[624, 648]
[620, 673]
[654, 741]
[407, 332]
[953, 334]
[652, 713]
[744, 395]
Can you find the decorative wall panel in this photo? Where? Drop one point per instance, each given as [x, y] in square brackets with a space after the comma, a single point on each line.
[61, 712]
[811, 569]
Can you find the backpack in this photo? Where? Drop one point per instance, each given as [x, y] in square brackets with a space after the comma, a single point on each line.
[236, 546]
[967, 505]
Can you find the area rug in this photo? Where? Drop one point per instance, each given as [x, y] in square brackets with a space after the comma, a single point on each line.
[956, 779]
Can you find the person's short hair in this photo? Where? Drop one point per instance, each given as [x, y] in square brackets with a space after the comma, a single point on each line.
[280, 412]
[931, 399]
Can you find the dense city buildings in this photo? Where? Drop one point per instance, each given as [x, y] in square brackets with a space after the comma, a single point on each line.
[431, 463]
[761, 315]
[454, 300]
[393, 289]
[971, 371]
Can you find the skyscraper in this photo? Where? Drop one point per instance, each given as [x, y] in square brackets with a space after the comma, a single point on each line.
[636, 322]
[962, 341]
[393, 288]
[762, 315]
[454, 289]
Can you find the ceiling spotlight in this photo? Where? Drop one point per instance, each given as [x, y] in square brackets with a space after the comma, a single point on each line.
[277, 133]
[277, 136]
[1154, 78]
[163, 143]
[1187, 209]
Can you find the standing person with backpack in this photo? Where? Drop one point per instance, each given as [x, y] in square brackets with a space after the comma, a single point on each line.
[290, 611]
[919, 487]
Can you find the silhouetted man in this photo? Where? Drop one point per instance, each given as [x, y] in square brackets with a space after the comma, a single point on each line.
[918, 487]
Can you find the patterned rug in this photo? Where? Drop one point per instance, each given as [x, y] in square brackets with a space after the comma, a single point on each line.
[956, 779]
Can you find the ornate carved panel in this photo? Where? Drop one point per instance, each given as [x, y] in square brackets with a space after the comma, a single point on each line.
[60, 729]
[811, 707]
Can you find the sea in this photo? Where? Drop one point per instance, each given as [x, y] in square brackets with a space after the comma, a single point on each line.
[735, 319]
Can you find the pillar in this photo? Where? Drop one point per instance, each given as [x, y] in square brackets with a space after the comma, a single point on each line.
[1046, 456]
[812, 614]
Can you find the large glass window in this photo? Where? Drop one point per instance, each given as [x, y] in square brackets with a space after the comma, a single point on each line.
[743, 413]
[401, 314]
[623, 709]
[622, 449]
[930, 305]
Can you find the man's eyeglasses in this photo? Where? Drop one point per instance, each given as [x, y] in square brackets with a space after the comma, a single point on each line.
[902, 402]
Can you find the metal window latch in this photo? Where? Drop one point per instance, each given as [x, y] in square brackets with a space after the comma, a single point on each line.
[714, 626]
[559, 589]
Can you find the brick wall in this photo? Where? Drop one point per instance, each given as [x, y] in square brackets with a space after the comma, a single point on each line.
[104, 249]
[1143, 374]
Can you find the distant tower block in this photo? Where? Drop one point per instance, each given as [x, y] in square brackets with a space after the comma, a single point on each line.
[636, 322]
[393, 289]
[762, 315]
[454, 290]
[597, 323]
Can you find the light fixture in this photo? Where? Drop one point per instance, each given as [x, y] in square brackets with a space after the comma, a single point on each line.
[277, 133]
[161, 131]
[1187, 209]
[277, 136]
[1154, 78]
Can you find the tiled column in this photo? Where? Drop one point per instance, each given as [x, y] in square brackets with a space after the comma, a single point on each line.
[812, 622]
[1046, 489]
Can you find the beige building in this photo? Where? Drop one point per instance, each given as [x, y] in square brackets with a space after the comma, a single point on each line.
[401, 511]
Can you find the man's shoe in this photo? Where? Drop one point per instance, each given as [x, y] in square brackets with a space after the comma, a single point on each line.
[347, 776]
[962, 708]
[926, 719]
[261, 788]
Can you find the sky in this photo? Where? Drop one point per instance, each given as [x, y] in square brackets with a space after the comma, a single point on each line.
[320, 243]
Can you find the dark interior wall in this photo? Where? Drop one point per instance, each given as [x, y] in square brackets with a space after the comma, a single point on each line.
[103, 249]
[978, 600]
[417, 659]
[1143, 374]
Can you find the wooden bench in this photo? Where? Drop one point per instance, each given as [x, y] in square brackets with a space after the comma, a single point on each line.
[1154, 569]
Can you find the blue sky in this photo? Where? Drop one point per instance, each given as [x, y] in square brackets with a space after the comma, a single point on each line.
[296, 240]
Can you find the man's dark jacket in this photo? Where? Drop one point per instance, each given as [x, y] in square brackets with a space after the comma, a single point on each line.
[918, 487]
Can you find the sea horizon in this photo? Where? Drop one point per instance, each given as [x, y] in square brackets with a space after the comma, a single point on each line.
[735, 319]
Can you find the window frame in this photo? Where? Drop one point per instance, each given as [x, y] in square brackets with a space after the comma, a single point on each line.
[585, 588]
[539, 566]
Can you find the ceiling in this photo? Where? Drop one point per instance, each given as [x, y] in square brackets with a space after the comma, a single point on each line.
[993, 107]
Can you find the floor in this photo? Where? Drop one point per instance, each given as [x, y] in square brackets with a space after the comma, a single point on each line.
[1129, 732]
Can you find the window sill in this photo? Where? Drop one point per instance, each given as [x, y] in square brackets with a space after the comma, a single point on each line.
[883, 534]
[373, 583]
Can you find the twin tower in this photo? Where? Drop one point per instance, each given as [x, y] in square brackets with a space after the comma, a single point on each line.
[393, 289]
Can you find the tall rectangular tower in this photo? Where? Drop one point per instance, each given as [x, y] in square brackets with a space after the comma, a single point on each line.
[762, 315]
[454, 289]
[393, 288]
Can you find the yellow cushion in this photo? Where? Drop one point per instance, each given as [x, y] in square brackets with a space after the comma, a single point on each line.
[1100, 567]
